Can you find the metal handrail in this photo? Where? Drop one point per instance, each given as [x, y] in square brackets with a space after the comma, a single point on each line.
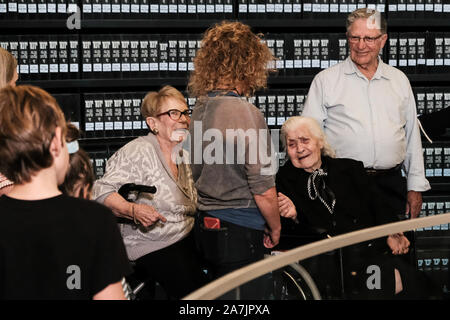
[238, 277]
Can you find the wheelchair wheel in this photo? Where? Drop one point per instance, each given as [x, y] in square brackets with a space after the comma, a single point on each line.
[293, 282]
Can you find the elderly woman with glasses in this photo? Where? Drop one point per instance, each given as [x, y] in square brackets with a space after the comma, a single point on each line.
[157, 228]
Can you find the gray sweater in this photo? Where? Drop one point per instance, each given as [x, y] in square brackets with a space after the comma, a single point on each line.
[141, 162]
[227, 172]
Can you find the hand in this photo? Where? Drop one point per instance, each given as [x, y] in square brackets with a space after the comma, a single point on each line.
[398, 243]
[286, 206]
[146, 215]
[271, 238]
[414, 204]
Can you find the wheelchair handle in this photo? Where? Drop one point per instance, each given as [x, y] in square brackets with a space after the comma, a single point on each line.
[125, 190]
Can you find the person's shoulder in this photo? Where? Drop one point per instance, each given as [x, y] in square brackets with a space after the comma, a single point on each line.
[87, 209]
[138, 142]
[329, 78]
[252, 108]
[286, 170]
[393, 72]
[239, 109]
[346, 163]
[138, 145]
[333, 71]
[235, 102]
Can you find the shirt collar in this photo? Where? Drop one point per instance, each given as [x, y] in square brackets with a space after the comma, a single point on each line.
[351, 68]
[216, 93]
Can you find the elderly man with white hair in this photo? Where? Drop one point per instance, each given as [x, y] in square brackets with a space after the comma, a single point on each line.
[368, 113]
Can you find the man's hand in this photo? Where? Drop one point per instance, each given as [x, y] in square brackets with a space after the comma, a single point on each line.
[414, 204]
[398, 243]
[287, 208]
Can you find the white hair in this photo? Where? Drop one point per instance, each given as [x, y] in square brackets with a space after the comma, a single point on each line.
[374, 19]
[314, 129]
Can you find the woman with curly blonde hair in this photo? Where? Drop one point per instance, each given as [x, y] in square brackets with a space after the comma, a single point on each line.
[235, 189]
[231, 57]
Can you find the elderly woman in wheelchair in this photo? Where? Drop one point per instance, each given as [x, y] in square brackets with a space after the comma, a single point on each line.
[156, 227]
[321, 196]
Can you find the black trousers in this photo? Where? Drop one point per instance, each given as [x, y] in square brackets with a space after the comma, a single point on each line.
[389, 193]
[390, 197]
[176, 268]
[229, 248]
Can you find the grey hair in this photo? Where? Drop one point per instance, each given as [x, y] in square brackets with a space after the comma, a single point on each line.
[374, 19]
[314, 129]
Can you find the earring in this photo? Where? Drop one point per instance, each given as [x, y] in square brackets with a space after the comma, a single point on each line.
[155, 130]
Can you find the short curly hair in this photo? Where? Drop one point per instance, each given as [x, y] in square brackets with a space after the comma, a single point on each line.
[230, 54]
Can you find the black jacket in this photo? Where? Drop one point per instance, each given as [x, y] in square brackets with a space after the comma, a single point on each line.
[349, 183]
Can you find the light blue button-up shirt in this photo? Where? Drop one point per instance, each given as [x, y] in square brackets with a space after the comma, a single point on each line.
[373, 121]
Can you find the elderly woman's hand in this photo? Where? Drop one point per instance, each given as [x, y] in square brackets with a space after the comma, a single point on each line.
[286, 206]
[146, 215]
[398, 243]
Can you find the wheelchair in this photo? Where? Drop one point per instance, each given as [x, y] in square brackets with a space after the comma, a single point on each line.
[134, 284]
[340, 275]
[316, 278]
[292, 282]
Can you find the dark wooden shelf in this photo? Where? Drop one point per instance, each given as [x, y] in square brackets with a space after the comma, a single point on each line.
[432, 242]
[104, 143]
[182, 81]
[440, 22]
[106, 83]
[319, 24]
[443, 187]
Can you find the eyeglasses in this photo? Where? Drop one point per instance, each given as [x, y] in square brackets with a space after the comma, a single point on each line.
[175, 114]
[367, 40]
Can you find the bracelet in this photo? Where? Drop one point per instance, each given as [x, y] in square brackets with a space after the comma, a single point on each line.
[132, 212]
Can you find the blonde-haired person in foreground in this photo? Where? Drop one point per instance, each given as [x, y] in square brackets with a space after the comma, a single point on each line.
[52, 247]
[8, 76]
